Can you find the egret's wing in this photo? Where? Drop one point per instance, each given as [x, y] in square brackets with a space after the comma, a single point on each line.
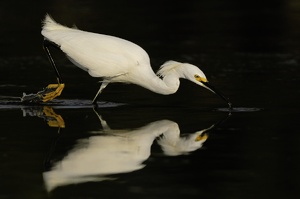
[96, 54]
[103, 65]
[100, 55]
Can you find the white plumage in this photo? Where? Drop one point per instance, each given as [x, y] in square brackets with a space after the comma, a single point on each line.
[118, 60]
[97, 53]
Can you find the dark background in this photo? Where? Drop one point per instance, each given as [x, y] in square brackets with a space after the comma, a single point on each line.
[248, 49]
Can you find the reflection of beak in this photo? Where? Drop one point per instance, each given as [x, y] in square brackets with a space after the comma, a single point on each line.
[201, 137]
[212, 89]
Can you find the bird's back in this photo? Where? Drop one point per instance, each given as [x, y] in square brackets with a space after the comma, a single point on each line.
[100, 55]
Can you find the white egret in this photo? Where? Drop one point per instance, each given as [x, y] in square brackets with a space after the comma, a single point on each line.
[116, 60]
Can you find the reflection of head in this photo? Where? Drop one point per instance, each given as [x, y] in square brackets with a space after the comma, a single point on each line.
[172, 144]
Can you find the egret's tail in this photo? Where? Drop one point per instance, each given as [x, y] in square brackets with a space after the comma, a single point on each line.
[49, 24]
[54, 31]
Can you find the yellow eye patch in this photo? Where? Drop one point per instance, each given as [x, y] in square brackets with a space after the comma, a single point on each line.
[200, 79]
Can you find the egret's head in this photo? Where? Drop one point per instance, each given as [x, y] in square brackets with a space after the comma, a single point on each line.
[183, 70]
[190, 72]
[194, 74]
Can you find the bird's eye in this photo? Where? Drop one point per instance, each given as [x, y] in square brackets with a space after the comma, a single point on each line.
[196, 76]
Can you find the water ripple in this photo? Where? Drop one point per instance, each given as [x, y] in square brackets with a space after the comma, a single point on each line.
[239, 109]
[7, 102]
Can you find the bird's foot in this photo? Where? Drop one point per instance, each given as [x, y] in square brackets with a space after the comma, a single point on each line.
[51, 91]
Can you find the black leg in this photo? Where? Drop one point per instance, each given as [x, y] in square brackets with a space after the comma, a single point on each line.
[46, 45]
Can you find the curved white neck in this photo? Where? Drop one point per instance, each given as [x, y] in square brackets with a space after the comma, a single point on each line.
[166, 86]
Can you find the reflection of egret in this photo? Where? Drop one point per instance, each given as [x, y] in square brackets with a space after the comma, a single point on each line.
[114, 151]
[116, 60]
[173, 144]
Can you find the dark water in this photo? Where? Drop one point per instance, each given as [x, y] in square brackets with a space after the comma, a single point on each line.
[138, 144]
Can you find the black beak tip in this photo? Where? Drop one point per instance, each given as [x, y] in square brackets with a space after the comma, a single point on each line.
[229, 105]
[219, 94]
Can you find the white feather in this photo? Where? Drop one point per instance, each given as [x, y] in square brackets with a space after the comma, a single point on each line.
[168, 67]
[117, 60]
[98, 54]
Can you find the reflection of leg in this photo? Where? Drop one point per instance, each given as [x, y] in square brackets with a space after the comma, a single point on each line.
[102, 121]
[54, 120]
[103, 85]
[47, 162]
